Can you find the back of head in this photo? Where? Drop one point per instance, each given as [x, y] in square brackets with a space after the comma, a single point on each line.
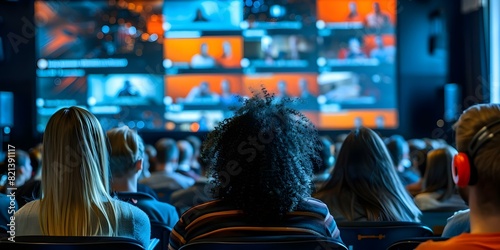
[364, 177]
[21, 157]
[186, 152]
[397, 147]
[127, 148]
[166, 151]
[438, 176]
[23, 167]
[262, 158]
[75, 189]
[326, 155]
[486, 159]
[196, 143]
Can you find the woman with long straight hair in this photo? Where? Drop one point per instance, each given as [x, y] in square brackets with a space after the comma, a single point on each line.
[364, 185]
[75, 187]
[438, 189]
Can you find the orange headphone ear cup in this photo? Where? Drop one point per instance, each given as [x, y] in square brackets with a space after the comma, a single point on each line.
[461, 169]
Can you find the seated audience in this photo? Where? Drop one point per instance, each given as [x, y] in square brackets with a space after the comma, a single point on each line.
[419, 163]
[165, 175]
[459, 222]
[400, 153]
[196, 144]
[477, 170]
[186, 153]
[150, 150]
[31, 189]
[126, 160]
[364, 185]
[145, 166]
[23, 170]
[261, 162]
[75, 186]
[438, 187]
[199, 193]
[322, 172]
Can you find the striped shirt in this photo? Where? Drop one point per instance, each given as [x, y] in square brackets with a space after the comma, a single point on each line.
[218, 219]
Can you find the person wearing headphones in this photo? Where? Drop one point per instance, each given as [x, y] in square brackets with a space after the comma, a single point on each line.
[476, 168]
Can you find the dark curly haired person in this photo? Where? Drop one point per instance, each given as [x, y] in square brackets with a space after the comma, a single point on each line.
[261, 163]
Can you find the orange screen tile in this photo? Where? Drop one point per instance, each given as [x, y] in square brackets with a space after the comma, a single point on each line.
[183, 49]
[338, 10]
[346, 120]
[270, 82]
[180, 85]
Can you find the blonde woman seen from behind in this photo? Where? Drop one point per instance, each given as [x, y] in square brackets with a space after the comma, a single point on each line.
[75, 190]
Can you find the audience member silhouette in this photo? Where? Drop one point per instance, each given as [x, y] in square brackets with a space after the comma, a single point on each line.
[477, 169]
[126, 160]
[261, 163]
[438, 188]
[364, 185]
[75, 186]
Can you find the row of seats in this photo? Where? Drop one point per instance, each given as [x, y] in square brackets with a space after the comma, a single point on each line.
[355, 235]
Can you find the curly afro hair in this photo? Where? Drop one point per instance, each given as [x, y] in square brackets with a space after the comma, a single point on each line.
[262, 158]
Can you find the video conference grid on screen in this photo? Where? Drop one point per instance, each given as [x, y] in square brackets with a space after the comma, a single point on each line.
[182, 65]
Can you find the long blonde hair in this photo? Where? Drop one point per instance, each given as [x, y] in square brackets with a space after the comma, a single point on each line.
[75, 199]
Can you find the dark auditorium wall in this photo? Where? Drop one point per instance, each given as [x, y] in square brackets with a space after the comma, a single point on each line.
[17, 71]
[422, 71]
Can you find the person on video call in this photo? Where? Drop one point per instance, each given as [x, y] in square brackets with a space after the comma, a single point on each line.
[354, 49]
[226, 60]
[128, 90]
[282, 91]
[227, 98]
[310, 101]
[203, 59]
[353, 15]
[377, 19]
[305, 94]
[201, 93]
[199, 16]
[384, 54]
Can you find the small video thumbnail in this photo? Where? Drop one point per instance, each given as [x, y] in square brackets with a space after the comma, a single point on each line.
[374, 16]
[61, 91]
[349, 50]
[357, 89]
[279, 14]
[194, 120]
[302, 87]
[214, 53]
[54, 93]
[204, 91]
[349, 119]
[98, 29]
[125, 90]
[139, 118]
[297, 51]
[198, 15]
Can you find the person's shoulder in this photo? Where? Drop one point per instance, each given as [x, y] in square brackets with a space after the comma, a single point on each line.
[461, 213]
[29, 207]
[464, 241]
[426, 196]
[130, 211]
[163, 206]
[313, 205]
[206, 208]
